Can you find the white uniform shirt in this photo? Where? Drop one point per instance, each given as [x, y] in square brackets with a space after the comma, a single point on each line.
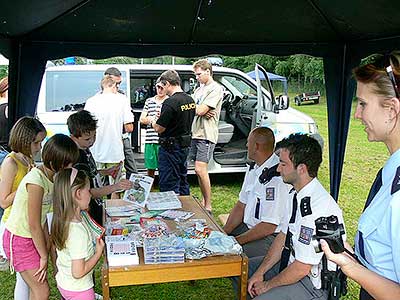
[264, 202]
[313, 201]
[380, 225]
[112, 111]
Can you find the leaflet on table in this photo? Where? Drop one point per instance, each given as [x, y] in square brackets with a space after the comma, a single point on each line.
[154, 227]
[178, 215]
[140, 191]
[163, 201]
[121, 251]
[163, 249]
[123, 211]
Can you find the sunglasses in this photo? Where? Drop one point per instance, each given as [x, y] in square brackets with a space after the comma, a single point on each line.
[386, 62]
[160, 87]
[389, 71]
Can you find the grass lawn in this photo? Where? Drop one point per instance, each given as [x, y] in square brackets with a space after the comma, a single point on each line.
[362, 161]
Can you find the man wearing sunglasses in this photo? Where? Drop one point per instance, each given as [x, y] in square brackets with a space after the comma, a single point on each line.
[256, 218]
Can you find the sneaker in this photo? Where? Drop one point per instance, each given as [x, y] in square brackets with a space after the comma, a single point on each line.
[4, 265]
[98, 296]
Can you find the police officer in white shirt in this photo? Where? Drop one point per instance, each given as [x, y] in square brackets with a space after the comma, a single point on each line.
[298, 274]
[255, 219]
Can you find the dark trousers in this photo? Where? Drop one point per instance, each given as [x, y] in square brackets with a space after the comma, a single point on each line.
[254, 248]
[364, 295]
[129, 162]
[172, 169]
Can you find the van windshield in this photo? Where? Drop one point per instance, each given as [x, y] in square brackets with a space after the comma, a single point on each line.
[68, 90]
[241, 86]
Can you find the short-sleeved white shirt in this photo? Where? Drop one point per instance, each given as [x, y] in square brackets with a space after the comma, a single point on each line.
[112, 111]
[265, 202]
[79, 245]
[313, 202]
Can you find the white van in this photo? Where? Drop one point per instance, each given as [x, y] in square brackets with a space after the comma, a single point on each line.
[246, 104]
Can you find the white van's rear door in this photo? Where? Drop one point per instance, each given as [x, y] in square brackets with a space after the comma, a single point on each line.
[265, 116]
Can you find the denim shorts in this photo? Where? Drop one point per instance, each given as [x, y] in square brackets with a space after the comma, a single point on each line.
[201, 150]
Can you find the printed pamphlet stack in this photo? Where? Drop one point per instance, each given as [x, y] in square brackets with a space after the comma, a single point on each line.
[177, 215]
[164, 250]
[121, 251]
[163, 201]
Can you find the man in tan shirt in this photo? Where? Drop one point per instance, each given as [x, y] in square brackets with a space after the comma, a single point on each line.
[208, 99]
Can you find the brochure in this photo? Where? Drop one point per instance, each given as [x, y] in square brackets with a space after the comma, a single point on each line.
[178, 215]
[140, 191]
[163, 201]
[121, 251]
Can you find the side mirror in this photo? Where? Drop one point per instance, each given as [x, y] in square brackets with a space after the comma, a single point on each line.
[283, 102]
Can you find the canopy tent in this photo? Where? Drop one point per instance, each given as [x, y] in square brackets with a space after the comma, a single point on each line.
[271, 77]
[32, 32]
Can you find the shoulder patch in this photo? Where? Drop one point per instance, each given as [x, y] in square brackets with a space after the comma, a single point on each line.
[305, 235]
[270, 194]
[396, 182]
[305, 206]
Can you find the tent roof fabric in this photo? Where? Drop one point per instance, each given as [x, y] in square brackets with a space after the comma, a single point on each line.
[342, 32]
[295, 26]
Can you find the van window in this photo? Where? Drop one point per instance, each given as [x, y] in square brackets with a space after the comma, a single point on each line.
[141, 89]
[239, 85]
[69, 90]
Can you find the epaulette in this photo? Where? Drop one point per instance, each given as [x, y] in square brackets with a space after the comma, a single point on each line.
[396, 182]
[305, 206]
[268, 173]
[251, 164]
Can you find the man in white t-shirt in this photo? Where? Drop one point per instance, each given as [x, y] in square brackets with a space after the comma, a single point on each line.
[112, 112]
[129, 162]
[255, 219]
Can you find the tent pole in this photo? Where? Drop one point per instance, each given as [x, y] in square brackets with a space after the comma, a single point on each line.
[339, 91]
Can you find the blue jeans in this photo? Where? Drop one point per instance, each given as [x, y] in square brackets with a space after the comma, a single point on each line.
[172, 168]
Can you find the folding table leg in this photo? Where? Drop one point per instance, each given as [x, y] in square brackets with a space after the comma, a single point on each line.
[104, 283]
[243, 278]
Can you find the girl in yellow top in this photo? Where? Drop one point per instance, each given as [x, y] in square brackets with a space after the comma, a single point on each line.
[76, 254]
[26, 237]
[25, 141]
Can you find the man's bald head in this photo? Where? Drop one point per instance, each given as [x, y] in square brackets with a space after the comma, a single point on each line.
[264, 137]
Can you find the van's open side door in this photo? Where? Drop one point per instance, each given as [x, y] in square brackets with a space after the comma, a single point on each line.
[265, 113]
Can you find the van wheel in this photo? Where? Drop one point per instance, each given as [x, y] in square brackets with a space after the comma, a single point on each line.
[316, 101]
[297, 101]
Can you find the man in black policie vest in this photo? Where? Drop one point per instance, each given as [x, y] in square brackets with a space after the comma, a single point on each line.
[174, 129]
